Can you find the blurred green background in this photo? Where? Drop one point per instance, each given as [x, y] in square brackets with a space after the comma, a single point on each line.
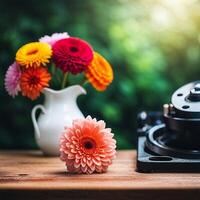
[153, 45]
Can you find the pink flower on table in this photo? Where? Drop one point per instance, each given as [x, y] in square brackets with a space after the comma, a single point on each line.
[87, 146]
[51, 40]
[12, 78]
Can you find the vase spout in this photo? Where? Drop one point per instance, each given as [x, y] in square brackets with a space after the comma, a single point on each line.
[67, 95]
[72, 91]
[76, 90]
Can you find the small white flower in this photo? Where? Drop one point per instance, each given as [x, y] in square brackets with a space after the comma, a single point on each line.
[51, 40]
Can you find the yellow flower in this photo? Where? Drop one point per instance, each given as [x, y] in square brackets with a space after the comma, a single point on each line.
[34, 54]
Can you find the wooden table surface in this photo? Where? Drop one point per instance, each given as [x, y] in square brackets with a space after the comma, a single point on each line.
[28, 174]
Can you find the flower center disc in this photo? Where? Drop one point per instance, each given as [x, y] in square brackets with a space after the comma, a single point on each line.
[31, 52]
[89, 145]
[73, 49]
[34, 80]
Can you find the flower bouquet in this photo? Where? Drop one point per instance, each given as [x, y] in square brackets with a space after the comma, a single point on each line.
[37, 63]
[51, 63]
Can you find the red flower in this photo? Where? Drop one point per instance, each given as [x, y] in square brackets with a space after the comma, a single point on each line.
[72, 55]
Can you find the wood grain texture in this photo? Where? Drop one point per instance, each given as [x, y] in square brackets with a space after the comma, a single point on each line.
[30, 174]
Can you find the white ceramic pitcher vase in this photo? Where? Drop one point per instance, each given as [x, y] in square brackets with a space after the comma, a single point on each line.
[59, 110]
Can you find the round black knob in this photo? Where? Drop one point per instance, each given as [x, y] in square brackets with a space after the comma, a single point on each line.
[195, 93]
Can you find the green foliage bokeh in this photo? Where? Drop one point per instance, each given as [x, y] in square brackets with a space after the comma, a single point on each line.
[153, 46]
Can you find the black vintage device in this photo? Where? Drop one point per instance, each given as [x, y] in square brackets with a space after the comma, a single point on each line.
[169, 141]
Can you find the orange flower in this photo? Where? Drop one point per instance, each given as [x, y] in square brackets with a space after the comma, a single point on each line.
[99, 72]
[33, 80]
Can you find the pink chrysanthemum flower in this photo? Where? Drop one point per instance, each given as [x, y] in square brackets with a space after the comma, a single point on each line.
[12, 78]
[87, 146]
[51, 40]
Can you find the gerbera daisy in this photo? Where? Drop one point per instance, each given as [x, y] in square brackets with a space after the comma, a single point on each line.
[51, 40]
[87, 146]
[12, 79]
[72, 55]
[34, 54]
[99, 72]
[33, 80]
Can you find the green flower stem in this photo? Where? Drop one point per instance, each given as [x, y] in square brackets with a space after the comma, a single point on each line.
[58, 78]
[64, 80]
[53, 69]
[85, 81]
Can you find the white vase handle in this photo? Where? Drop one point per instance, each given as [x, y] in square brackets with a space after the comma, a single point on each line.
[33, 113]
